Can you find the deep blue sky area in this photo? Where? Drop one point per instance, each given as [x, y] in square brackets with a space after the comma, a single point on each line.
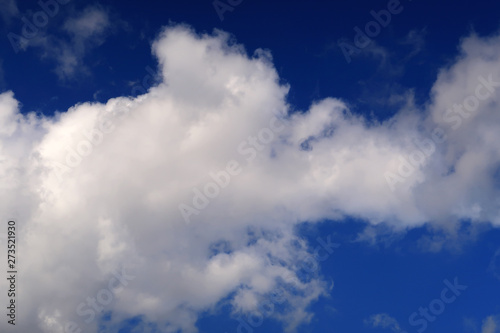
[302, 37]
[397, 272]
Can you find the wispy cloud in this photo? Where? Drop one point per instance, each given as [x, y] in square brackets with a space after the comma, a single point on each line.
[122, 187]
[8, 10]
[79, 35]
[87, 31]
[383, 320]
[491, 325]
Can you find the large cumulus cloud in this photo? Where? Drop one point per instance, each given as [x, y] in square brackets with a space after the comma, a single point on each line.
[97, 190]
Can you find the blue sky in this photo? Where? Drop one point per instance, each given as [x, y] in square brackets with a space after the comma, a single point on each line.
[225, 151]
[303, 40]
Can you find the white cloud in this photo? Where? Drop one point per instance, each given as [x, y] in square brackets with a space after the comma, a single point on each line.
[383, 320]
[93, 21]
[491, 325]
[85, 31]
[118, 207]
